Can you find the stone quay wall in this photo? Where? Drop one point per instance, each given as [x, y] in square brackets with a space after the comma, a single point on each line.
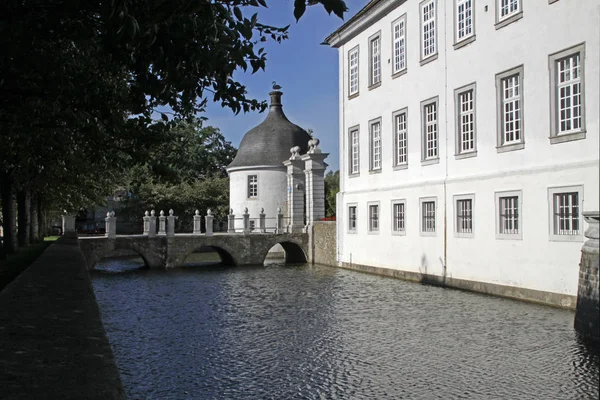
[324, 243]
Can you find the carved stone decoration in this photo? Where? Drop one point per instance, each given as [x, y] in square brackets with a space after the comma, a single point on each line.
[197, 212]
[209, 212]
[162, 213]
[171, 212]
[295, 151]
[146, 214]
[313, 146]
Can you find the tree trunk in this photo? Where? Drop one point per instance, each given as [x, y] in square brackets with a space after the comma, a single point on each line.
[23, 218]
[41, 221]
[8, 215]
[34, 236]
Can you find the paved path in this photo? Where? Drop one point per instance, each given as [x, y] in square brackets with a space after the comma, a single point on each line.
[52, 343]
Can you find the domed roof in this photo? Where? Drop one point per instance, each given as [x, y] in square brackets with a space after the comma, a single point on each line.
[270, 142]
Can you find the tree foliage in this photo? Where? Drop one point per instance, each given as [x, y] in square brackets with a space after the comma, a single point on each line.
[332, 187]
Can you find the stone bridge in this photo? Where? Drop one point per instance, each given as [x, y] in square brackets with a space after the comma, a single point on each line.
[171, 252]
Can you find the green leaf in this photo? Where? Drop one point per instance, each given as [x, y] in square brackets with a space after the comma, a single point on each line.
[299, 9]
[238, 13]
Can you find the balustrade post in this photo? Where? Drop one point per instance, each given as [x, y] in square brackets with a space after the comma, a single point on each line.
[111, 225]
[246, 221]
[171, 224]
[295, 190]
[68, 224]
[231, 222]
[314, 170]
[197, 223]
[279, 220]
[146, 222]
[261, 221]
[152, 224]
[162, 224]
[209, 222]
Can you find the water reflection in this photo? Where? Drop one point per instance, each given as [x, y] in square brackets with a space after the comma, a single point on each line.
[323, 333]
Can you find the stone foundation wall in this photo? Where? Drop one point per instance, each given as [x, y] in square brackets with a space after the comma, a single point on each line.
[587, 317]
[324, 243]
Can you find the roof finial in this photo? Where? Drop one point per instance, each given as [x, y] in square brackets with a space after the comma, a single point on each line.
[276, 86]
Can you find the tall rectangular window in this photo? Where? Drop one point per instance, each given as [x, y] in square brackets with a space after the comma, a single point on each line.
[375, 145]
[400, 138]
[428, 34]
[429, 115]
[464, 206]
[398, 217]
[353, 71]
[399, 43]
[427, 216]
[373, 217]
[252, 186]
[375, 59]
[464, 19]
[352, 218]
[509, 87]
[465, 124]
[508, 212]
[508, 8]
[565, 213]
[353, 151]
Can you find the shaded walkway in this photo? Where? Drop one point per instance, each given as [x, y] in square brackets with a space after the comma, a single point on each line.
[52, 342]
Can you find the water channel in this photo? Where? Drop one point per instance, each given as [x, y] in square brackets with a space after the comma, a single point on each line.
[316, 332]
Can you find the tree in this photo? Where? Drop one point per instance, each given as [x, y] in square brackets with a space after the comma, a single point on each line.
[332, 187]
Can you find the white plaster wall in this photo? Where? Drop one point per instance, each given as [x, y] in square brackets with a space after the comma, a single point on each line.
[534, 262]
[272, 193]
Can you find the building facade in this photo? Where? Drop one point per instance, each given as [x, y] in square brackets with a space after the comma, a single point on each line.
[469, 140]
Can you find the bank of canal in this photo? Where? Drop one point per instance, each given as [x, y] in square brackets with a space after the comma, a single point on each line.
[315, 332]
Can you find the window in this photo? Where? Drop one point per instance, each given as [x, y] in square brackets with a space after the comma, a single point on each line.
[400, 139]
[353, 151]
[509, 88]
[373, 217]
[464, 20]
[507, 11]
[398, 217]
[464, 99]
[427, 216]
[252, 186]
[352, 218]
[353, 71]
[375, 60]
[375, 145]
[567, 111]
[428, 33]
[463, 212]
[429, 147]
[252, 224]
[565, 213]
[508, 215]
[399, 43]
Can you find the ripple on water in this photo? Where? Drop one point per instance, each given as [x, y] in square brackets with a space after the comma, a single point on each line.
[308, 332]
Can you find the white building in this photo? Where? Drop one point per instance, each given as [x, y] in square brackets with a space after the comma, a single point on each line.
[469, 141]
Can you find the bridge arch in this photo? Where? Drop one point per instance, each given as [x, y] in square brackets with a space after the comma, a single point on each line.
[294, 252]
[225, 255]
[121, 252]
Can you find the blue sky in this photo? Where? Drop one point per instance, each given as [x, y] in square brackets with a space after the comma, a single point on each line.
[306, 70]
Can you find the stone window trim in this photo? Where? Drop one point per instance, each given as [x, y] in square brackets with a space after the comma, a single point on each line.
[433, 159]
[401, 71]
[500, 146]
[348, 219]
[372, 168]
[555, 136]
[458, 153]
[352, 95]
[252, 187]
[372, 38]
[553, 237]
[431, 57]
[458, 43]
[373, 225]
[397, 232]
[509, 19]
[355, 128]
[395, 164]
[422, 201]
[552, 1]
[504, 194]
[456, 199]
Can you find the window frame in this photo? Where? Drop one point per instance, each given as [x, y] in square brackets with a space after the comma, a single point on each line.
[460, 197]
[396, 73]
[501, 22]
[458, 152]
[372, 83]
[509, 193]
[371, 230]
[556, 136]
[394, 203]
[434, 55]
[353, 50]
[372, 168]
[251, 184]
[460, 42]
[424, 159]
[355, 128]
[560, 190]
[500, 77]
[422, 201]
[348, 226]
[395, 115]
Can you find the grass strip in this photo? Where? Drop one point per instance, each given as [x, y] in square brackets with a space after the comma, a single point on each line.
[18, 262]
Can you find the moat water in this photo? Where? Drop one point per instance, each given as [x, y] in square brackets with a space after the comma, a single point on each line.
[315, 332]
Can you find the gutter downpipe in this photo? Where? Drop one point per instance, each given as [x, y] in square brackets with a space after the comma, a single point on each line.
[446, 131]
[340, 199]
